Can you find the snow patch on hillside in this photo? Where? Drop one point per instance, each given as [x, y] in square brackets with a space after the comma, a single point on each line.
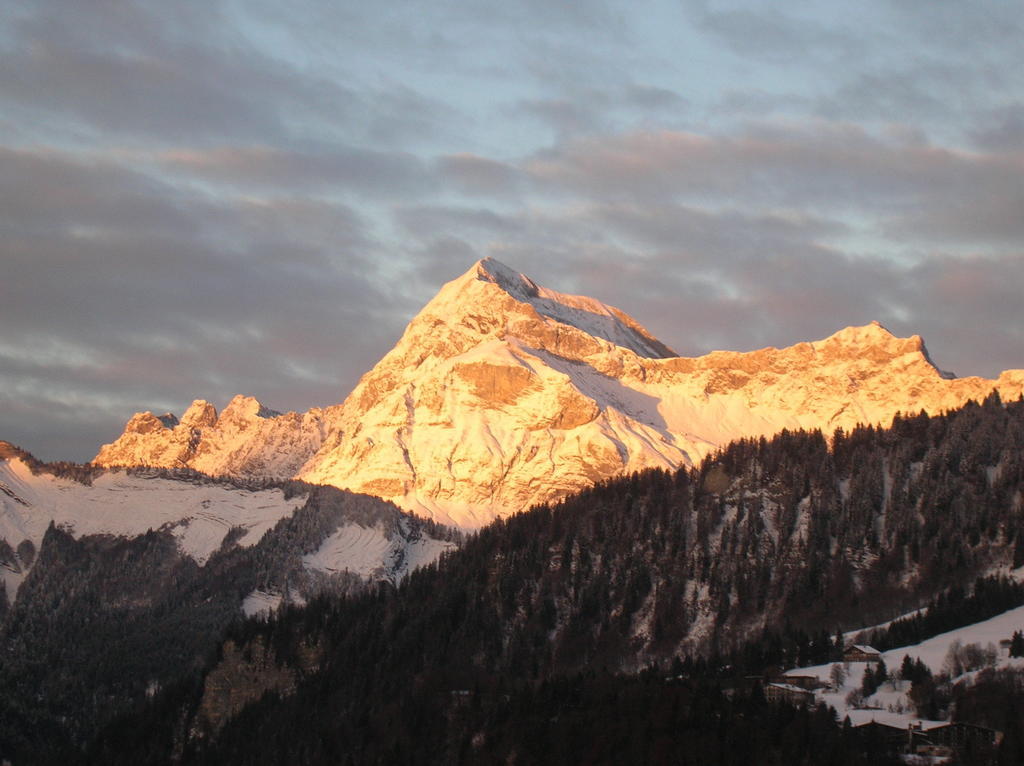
[261, 602]
[198, 515]
[368, 552]
[351, 548]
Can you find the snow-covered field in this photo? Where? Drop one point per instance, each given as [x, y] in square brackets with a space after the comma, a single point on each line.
[890, 704]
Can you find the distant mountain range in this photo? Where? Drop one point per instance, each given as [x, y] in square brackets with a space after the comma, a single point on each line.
[129, 578]
[641, 621]
[502, 394]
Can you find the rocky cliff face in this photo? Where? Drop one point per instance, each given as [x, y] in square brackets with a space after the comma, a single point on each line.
[502, 394]
[485, 404]
[245, 440]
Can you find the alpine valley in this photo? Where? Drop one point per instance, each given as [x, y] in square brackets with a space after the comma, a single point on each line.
[532, 533]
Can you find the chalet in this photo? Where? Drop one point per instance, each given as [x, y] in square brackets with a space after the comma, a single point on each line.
[929, 738]
[810, 683]
[858, 653]
[788, 693]
[942, 739]
[892, 738]
[962, 735]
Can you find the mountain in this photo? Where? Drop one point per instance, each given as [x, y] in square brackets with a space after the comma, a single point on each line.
[502, 394]
[118, 581]
[201, 517]
[598, 629]
[246, 440]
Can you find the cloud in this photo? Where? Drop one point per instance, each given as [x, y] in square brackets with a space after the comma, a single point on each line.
[567, 116]
[336, 167]
[770, 33]
[139, 69]
[908, 186]
[202, 199]
[964, 308]
[476, 222]
[933, 65]
[165, 296]
[475, 175]
[581, 108]
[1001, 129]
[193, 74]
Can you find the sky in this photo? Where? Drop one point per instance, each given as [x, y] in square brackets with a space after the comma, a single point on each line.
[204, 198]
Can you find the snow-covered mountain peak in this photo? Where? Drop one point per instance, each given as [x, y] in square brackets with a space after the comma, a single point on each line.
[200, 414]
[871, 339]
[244, 409]
[873, 343]
[147, 423]
[517, 285]
[492, 297]
[503, 393]
[246, 439]
[871, 333]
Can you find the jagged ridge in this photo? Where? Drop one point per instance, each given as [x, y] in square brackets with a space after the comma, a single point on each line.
[502, 394]
[246, 440]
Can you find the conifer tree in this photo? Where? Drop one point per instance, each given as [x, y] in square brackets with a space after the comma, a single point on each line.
[907, 668]
[1017, 644]
[867, 684]
[881, 673]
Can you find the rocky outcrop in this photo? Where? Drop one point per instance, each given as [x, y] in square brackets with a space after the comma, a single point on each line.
[245, 440]
[243, 676]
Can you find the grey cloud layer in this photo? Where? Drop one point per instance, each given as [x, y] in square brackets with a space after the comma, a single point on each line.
[202, 199]
[165, 296]
[910, 189]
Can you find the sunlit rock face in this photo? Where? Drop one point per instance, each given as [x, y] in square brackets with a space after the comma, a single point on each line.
[245, 440]
[502, 394]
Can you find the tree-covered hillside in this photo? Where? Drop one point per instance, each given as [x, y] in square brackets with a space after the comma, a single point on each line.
[101, 622]
[788, 534]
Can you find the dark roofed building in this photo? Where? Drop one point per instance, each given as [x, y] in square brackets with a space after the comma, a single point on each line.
[859, 653]
[788, 693]
[964, 735]
[881, 737]
[804, 682]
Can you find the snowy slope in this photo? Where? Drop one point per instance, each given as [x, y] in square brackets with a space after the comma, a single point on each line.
[119, 504]
[198, 515]
[892, 697]
[368, 552]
